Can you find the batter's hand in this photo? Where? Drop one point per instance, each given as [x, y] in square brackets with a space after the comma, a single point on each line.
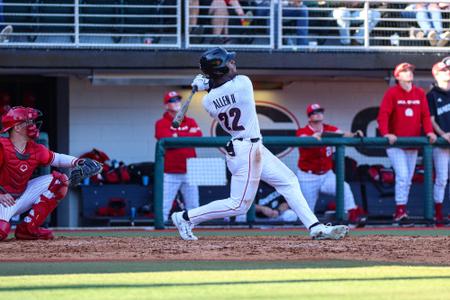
[201, 82]
[432, 137]
[446, 136]
[7, 200]
[392, 138]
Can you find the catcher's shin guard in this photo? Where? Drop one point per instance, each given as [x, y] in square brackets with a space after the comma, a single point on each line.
[4, 229]
[48, 201]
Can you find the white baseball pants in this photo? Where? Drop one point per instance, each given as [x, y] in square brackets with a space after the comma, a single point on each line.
[311, 184]
[178, 182]
[441, 158]
[254, 162]
[404, 163]
[35, 188]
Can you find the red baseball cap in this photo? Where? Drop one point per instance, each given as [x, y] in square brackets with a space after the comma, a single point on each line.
[403, 67]
[171, 95]
[314, 108]
[440, 66]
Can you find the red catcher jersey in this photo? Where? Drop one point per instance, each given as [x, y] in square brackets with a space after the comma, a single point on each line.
[319, 159]
[175, 159]
[404, 113]
[16, 168]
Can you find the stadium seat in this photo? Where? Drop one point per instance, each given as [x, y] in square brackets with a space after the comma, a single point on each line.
[56, 20]
[103, 18]
[21, 17]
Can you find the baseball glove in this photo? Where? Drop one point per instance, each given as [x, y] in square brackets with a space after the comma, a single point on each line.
[85, 168]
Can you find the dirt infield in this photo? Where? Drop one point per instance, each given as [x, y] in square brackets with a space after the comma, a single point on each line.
[381, 248]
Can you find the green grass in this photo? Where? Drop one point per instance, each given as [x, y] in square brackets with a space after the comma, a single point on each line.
[374, 282]
[226, 279]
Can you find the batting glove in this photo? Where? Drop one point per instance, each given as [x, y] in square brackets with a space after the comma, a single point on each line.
[201, 82]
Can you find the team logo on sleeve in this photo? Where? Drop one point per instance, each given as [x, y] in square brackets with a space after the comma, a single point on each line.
[274, 120]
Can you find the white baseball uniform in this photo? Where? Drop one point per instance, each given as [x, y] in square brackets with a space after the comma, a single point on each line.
[404, 163]
[232, 104]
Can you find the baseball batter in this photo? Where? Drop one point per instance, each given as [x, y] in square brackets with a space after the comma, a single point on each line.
[20, 155]
[315, 165]
[175, 178]
[404, 112]
[439, 103]
[230, 101]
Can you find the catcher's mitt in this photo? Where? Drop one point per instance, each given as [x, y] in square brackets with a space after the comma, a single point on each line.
[85, 168]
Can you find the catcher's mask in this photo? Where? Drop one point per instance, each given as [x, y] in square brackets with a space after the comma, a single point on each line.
[22, 115]
[213, 62]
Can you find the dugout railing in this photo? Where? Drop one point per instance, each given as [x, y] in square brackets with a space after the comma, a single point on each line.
[340, 145]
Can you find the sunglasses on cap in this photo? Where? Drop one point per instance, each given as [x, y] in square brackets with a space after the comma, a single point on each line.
[315, 112]
[174, 100]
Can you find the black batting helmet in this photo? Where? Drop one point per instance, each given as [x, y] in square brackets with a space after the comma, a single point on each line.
[213, 62]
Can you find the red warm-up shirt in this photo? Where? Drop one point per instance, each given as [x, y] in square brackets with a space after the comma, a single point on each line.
[317, 160]
[17, 168]
[404, 113]
[175, 159]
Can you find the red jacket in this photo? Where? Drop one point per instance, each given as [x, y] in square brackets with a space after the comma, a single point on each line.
[404, 113]
[318, 160]
[175, 159]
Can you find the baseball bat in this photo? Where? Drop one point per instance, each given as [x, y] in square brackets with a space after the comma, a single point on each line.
[180, 115]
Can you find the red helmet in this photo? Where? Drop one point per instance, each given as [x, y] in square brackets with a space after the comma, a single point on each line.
[18, 115]
[171, 95]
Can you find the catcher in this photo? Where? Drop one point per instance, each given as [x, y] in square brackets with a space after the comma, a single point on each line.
[20, 155]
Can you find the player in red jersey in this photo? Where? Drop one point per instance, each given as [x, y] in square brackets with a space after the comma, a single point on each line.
[315, 165]
[20, 155]
[404, 112]
[175, 178]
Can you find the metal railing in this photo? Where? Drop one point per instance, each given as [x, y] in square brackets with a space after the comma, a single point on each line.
[92, 23]
[339, 143]
[311, 25]
[395, 25]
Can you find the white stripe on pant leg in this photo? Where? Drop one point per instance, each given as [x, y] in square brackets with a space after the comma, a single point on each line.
[278, 175]
[400, 164]
[35, 188]
[310, 186]
[171, 185]
[441, 157]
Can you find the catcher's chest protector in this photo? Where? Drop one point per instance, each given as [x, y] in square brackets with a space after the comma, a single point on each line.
[17, 168]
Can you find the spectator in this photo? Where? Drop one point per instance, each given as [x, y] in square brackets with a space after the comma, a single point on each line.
[175, 159]
[315, 172]
[296, 9]
[429, 18]
[351, 13]
[439, 103]
[219, 9]
[404, 112]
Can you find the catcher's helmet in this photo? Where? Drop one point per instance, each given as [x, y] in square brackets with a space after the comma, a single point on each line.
[213, 62]
[17, 115]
